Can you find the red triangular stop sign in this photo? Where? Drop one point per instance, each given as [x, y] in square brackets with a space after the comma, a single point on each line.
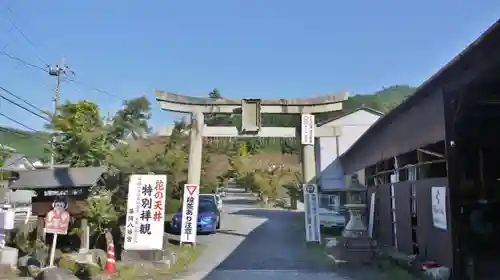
[191, 189]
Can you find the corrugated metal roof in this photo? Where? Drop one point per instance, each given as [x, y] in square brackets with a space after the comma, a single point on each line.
[58, 177]
[16, 158]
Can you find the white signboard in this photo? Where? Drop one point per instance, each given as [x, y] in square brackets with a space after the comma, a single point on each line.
[371, 219]
[312, 223]
[308, 125]
[190, 213]
[145, 212]
[438, 196]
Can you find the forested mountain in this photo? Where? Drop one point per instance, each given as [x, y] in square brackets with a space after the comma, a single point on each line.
[33, 144]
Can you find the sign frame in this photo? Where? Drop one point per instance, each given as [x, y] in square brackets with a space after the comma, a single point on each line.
[439, 207]
[307, 125]
[311, 213]
[145, 190]
[189, 222]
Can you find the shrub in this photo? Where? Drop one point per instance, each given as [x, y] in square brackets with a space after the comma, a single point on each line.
[68, 263]
[172, 205]
[88, 270]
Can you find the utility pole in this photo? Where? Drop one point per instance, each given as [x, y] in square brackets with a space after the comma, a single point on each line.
[58, 71]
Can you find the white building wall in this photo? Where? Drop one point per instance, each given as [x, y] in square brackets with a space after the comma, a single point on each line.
[328, 149]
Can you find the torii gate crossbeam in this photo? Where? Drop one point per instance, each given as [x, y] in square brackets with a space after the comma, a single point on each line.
[251, 111]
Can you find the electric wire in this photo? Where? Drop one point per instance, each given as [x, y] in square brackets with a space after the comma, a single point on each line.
[72, 80]
[20, 31]
[18, 59]
[23, 107]
[17, 122]
[25, 101]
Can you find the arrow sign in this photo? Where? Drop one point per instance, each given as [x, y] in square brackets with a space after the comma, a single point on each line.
[191, 189]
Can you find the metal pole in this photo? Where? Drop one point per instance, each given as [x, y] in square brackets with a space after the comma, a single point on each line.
[53, 250]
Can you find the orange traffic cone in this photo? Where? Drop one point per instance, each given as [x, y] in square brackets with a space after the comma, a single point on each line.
[111, 262]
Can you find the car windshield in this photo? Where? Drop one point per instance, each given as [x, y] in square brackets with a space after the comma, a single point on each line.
[207, 198]
[205, 207]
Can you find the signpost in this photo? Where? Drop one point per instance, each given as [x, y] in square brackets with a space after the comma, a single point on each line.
[189, 222]
[145, 220]
[312, 224]
[57, 222]
[308, 125]
[438, 196]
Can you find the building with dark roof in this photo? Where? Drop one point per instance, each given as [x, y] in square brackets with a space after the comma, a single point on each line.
[433, 161]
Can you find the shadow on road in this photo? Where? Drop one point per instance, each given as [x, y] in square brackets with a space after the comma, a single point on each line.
[242, 201]
[278, 244]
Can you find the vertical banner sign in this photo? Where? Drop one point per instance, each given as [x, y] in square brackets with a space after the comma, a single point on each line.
[145, 212]
[438, 196]
[189, 222]
[307, 129]
[311, 200]
[371, 219]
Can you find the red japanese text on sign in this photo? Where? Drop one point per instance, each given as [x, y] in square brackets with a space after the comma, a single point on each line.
[159, 200]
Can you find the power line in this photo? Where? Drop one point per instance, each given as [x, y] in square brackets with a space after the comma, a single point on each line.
[18, 59]
[17, 122]
[72, 80]
[22, 134]
[94, 88]
[20, 31]
[25, 101]
[23, 107]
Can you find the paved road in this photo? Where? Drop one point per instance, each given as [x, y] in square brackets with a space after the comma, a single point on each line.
[262, 244]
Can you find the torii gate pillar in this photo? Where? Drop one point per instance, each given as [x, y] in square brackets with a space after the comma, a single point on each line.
[252, 111]
[308, 164]
[195, 148]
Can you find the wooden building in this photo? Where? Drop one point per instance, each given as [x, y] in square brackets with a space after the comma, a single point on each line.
[444, 135]
[71, 184]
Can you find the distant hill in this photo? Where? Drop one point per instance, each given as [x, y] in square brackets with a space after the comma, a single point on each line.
[33, 144]
[383, 100]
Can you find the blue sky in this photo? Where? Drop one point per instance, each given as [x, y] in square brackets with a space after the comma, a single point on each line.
[251, 48]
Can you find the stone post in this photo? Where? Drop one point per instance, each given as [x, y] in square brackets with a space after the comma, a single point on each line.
[195, 148]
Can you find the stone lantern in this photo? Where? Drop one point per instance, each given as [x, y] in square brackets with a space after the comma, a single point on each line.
[356, 206]
[354, 246]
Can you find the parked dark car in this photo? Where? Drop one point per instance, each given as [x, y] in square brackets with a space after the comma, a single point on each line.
[208, 218]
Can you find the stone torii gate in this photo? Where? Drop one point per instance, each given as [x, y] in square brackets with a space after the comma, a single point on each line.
[251, 111]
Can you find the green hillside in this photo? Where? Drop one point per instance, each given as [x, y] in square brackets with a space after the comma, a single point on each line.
[33, 144]
[383, 100]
